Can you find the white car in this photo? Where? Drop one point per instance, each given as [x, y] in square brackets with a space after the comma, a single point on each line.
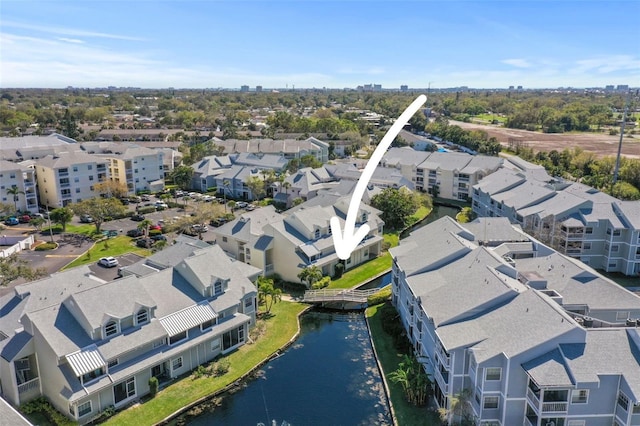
[108, 262]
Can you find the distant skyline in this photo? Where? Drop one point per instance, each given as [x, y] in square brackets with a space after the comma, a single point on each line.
[308, 43]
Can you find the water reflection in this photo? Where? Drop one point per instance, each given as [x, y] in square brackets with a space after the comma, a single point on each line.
[329, 377]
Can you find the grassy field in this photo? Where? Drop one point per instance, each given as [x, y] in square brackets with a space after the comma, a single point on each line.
[281, 327]
[406, 413]
[112, 247]
[489, 118]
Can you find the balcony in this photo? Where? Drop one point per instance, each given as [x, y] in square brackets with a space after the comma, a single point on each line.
[444, 357]
[555, 407]
[30, 385]
[63, 174]
[553, 401]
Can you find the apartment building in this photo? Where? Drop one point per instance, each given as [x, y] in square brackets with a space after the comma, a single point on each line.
[523, 334]
[87, 344]
[574, 219]
[69, 177]
[288, 148]
[141, 169]
[449, 175]
[22, 178]
[284, 244]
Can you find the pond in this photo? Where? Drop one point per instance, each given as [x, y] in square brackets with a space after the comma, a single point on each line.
[328, 377]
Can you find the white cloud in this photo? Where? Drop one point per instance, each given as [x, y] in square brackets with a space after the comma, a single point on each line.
[519, 63]
[68, 31]
[606, 64]
[71, 40]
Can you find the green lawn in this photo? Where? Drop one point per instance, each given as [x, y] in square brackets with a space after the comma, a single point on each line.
[405, 413]
[112, 247]
[363, 272]
[84, 229]
[280, 328]
[372, 268]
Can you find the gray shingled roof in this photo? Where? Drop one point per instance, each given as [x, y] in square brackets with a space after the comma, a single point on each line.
[444, 293]
[426, 247]
[565, 276]
[530, 317]
[606, 351]
[549, 370]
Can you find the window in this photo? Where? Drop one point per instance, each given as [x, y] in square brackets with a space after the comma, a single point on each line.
[142, 316]
[317, 234]
[76, 179]
[622, 315]
[613, 264]
[110, 328]
[493, 373]
[77, 190]
[616, 233]
[580, 396]
[206, 324]
[176, 363]
[113, 362]
[124, 390]
[491, 402]
[636, 409]
[576, 423]
[224, 239]
[75, 168]
[92, 375]
[248, 303]
[84, 409]
[90, 167]
[623, 401]
[586, 246]
[90, 177]
[177, 338]
[615, 248]
[588, 230]
[215, 345]
[217, 288]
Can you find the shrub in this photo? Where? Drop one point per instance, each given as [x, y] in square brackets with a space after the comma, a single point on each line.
[322, 283]
[339, 270]
[43, 406]
[146, 210]
[153, 232]
[221, 367]
[153, 386]
[199, 372]
[379, 297]
[46, 246]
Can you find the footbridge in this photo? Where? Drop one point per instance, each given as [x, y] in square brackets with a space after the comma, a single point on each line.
[326, 295]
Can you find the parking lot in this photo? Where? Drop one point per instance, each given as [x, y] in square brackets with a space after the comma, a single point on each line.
[110, 274]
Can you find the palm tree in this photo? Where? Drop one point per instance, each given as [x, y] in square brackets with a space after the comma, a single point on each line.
[267, 293]
[144, 226]
[310, 274]
[15, 191]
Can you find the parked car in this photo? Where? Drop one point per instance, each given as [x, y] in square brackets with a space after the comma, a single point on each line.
[218, 222]
[125, 201]
[145, 198]
[137, 217]
[161, 205]
[159, 237]
[199, 228]
[85, 218]
[108, 262]
[250, 207]
[11, 221]
[25, 218]
[144, 242]
[134, 233]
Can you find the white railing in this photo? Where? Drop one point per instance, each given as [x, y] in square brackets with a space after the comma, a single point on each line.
[535, 401]
[27, 386]
[555, 407]
[527, 422]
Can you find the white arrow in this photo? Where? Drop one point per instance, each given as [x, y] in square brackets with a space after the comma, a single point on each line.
[347, 242]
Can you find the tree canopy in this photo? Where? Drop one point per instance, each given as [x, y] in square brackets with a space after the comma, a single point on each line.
[100, 209]
[397, 205]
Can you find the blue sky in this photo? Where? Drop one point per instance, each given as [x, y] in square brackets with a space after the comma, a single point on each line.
[217, 43]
